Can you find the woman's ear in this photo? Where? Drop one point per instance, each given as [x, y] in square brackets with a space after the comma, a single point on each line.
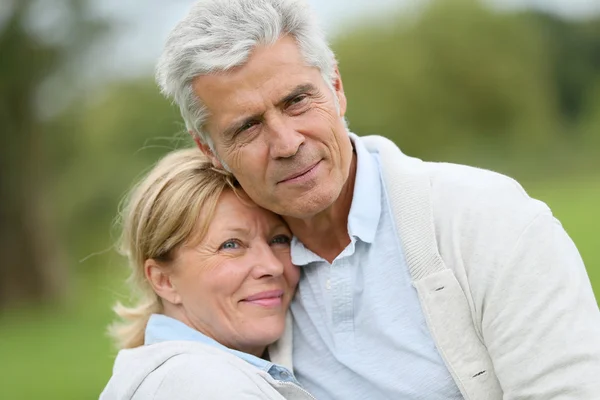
[160, 279]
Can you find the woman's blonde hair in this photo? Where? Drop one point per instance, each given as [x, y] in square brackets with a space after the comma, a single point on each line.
[174, 201]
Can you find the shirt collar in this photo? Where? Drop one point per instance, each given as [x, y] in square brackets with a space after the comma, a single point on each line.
[365, 210]
[161, 328]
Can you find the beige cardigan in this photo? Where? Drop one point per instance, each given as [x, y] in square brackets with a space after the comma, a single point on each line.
[504, 291]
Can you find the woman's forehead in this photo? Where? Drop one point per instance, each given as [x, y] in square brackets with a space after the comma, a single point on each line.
[236, 212]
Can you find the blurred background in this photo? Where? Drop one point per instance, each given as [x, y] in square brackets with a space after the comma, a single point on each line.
[510, 85]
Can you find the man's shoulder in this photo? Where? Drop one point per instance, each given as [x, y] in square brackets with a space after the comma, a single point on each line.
[444, 177]
[479, 215]
[475, 197]
[464, 189]
[465, 181]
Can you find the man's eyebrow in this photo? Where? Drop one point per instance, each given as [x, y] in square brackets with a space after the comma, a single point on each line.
[298, 90]
[234, 126]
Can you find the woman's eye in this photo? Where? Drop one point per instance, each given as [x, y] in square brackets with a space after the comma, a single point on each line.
[230, 245]
[281, 239]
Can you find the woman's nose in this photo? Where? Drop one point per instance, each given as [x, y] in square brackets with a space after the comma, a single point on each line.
[266, 263]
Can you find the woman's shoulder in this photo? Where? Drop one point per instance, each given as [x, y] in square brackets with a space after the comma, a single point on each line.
[197, 370]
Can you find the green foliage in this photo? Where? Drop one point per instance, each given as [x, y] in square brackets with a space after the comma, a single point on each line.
[105, 145]
[31, 58]
[574, 51]
[590, 121]
[458, 76]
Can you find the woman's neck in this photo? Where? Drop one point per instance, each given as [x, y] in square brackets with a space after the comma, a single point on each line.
[175, 311]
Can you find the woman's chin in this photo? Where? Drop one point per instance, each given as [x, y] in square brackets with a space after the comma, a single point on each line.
[265, 333]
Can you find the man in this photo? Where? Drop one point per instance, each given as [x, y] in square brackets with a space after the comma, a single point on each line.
[419, 280]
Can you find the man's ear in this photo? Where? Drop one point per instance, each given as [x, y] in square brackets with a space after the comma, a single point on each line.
[207, 151]
[338, 87]
[196, 139]
[210, 154]
[160, 279]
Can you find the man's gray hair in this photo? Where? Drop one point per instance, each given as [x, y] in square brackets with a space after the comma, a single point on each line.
[218, 35]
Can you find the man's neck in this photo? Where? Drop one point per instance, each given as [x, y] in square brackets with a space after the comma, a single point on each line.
[326, 234]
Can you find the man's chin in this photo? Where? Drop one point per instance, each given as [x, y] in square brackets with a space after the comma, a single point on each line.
[305, 207]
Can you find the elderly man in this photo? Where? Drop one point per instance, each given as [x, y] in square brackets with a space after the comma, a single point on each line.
[420, 280]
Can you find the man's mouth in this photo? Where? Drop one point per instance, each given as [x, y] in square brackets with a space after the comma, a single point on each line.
[296, 176]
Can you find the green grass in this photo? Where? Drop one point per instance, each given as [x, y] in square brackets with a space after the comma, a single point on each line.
[59, 351]
[62, 352]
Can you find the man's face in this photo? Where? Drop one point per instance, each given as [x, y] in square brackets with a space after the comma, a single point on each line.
[275, 123]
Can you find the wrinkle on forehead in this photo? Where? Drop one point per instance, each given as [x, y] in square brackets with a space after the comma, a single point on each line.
[253, 87]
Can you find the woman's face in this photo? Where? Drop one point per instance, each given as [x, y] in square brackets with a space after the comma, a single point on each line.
[236, 284]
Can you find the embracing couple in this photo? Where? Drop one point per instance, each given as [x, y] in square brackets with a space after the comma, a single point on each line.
[284, 257]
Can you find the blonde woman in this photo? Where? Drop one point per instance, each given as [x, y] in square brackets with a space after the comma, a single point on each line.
[215, 281]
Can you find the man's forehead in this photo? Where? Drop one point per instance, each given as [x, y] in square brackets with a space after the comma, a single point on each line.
[266, 65]
[270, 73]
[227, 99]
[238, 85]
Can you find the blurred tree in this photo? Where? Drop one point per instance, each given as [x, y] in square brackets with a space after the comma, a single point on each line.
[31, 268]
[574, 59]
[121, 132]
[590, 123]
[455, 77]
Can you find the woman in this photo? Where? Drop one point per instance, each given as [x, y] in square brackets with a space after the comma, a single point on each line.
[215, 279]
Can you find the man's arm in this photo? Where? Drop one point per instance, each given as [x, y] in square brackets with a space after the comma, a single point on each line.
[540, 320]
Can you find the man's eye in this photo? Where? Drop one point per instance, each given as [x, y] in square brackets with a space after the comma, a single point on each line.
[230, 245]
[298, 99]
[247, 126]
[281, 239]
[298, 104]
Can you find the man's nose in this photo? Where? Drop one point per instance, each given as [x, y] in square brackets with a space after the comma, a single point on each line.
[284, 139]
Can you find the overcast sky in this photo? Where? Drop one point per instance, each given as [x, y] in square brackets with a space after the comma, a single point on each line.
[144, 24]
